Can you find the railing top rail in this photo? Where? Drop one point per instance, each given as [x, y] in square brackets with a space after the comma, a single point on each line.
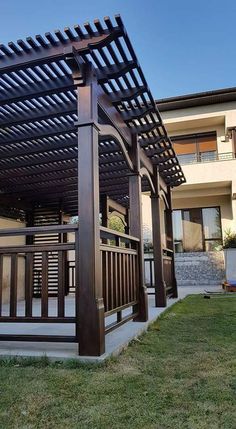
[111, 233]
[38, 230]
[165, 249]
[116, 249]
[31, 248]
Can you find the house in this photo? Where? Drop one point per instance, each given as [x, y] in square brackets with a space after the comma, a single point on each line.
[202, 128]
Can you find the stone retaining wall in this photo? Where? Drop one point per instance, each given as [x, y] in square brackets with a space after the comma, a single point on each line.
[199, 268]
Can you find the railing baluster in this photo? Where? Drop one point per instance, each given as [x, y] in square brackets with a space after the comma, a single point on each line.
[123, 279]
[13, 285]
[1, 281]
[150, 270]
[115, 281]
[111, 283]
[134, 278]
[128, 278]
[28, 284]
[44, 292]
[61, 285]
[120, 278]
[106, 281]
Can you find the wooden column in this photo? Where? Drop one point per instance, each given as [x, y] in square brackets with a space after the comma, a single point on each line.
[160, 287]
[169, 226]
[90, 305]
[29, 267]
[104, 210]
[136, 226]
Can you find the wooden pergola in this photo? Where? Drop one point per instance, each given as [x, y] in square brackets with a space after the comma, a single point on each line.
[80, 133]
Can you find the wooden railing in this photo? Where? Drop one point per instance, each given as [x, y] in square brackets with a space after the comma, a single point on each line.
[11, 255]
[120, 276]
[168, 272]
[120, 280]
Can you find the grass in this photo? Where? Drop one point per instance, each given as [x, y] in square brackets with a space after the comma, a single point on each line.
[181, 374]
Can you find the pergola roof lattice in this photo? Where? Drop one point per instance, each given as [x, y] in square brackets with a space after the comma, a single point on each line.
[38, 114]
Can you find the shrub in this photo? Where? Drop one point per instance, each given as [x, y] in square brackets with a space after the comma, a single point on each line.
[230, 240]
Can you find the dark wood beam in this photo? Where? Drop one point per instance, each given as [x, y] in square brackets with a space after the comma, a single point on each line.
[53, 52]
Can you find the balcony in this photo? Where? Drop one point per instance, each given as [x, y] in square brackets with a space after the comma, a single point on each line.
[195, 158]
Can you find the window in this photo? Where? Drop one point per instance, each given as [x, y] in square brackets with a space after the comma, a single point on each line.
[197, 229]
[196, 147]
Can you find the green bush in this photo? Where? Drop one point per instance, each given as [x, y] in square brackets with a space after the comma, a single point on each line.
[230, 240]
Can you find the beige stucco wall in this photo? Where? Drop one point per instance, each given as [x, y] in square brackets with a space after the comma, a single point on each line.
[147, 219]
[208, 184]
[216, 117]
[11, 241]
[211, 183]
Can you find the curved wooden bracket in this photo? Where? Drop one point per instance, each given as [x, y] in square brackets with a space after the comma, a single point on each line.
[163, 196]
[145, 172]
[109, 131]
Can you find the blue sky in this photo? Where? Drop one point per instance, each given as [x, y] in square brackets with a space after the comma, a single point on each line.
[183, 46]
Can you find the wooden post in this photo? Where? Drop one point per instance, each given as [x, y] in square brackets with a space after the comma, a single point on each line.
[136, 226]
[169, 226]
[29, 268]
[91, 330]
[104, 210]
[160, 287]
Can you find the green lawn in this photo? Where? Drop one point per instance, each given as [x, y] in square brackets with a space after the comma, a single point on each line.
[181, 374]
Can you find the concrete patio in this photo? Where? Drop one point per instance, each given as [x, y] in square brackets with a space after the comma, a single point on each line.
[116, 340]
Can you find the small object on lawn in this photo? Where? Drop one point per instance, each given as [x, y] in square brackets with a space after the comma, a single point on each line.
[211, 294]
[229, 286]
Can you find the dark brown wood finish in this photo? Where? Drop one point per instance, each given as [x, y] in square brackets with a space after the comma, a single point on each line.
[13, 284]
[160, 287]
[77, 118]
[169, 233]
[89, 296]
[1, 282]
[29, 261]
[136, 228]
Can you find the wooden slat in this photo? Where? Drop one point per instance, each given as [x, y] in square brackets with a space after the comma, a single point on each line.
[1, 282]
[38, 319]
[44, 288]
[115, 280]
[120, 279]
[38, 248]
[37, 230]
[28, 284]
[61, 284]
[38, 338]
[13, 285]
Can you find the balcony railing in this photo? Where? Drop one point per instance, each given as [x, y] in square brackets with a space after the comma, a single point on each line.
[205, 157]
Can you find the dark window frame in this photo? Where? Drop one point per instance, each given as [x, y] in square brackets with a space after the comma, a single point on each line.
[204, 239]
[195, 137]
